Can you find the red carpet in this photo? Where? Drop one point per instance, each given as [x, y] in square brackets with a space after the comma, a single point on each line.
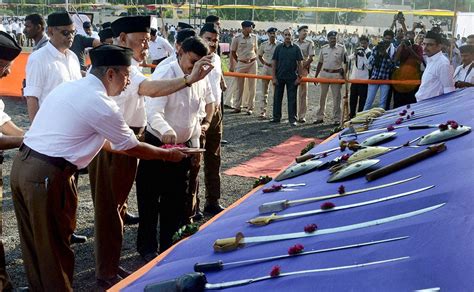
[272, 161]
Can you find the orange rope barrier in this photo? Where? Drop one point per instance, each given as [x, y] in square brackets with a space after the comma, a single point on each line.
[327, 80]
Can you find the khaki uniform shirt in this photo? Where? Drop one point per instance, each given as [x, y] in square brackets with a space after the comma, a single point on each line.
[307, 48]
[266, 50]
[332, 58]
[245, 47]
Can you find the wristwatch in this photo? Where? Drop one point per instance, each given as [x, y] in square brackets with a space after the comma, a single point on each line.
[186, 82]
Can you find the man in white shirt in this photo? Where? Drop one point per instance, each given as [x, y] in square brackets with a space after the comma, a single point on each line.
[53, 64]
[69, 130]
[437, 78]
[211, 134]
[359, 70]
[162, 187]
[160, 48]
[464, 73]
[10, 135]
[112, 174]
[181, 36]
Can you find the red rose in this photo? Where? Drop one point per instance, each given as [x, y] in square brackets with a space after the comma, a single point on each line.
[341, 190]
[454, 125]
[310, 228]
[408, 116]
[390, 128]
[275, 271]
[345, 157]
[442, 127]
[399, 121]
[295, 249]
[327, 205]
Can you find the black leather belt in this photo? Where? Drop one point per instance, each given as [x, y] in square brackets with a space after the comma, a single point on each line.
[56, 161]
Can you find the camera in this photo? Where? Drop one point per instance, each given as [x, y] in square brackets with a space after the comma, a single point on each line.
[400, 16]
[408, 42]
[360, 51]
[418, 25]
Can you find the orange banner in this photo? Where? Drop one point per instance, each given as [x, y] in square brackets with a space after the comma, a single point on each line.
[12, 84]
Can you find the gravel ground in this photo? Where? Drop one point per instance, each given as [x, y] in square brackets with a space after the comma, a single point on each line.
[248, 137]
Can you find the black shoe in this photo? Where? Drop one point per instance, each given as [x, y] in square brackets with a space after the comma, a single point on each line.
[105, 284]
[223, 142]
[228, 106]
[293, 124]
[274, 121]
[318, 122]
[198, 216]
[78, 238]
[122, 272]
[302, 121]
[130, 219]
[149, 256]
[213, 209]
[236, 111]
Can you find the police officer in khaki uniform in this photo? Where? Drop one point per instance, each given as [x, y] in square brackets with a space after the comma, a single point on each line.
[331, 59]
[265, 54]
[307, 48]
[244, 50]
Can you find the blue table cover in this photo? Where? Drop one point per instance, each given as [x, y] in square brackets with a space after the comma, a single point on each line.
[440, 243]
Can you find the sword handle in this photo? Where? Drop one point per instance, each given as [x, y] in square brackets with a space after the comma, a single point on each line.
[211, 266]
[386, 170]
[228, 244]
[264, 220]
[419, 127]
[304, 157]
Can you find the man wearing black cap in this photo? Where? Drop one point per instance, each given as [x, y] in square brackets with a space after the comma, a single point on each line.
[43, 187]
[10, 136]
[437, 78]
[111, 174]
[106, 36]
[87, 26]
[183, 25]
[331, 60]
[265, 54]
[181, 36]
[307, 49]
[53, 64]
[244, 51]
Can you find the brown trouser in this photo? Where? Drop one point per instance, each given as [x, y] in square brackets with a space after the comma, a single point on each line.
[303, 96]
[211, 141]
[45, 202]
[262, 101]
[323, 112]
[5, 282]
[111, 177]
[250, 68]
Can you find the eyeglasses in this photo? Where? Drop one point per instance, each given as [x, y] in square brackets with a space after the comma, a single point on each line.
[67, 33]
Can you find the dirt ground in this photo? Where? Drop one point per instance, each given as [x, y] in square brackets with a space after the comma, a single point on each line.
[248, 137]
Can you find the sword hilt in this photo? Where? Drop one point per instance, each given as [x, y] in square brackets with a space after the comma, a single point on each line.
[229, 244]
[207, 267]
[304, 157]
[263, 220]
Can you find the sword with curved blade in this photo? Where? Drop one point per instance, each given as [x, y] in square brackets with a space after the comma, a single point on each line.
[220, 265]
[249, 281]
[283, 204]
[233, 243]
[265, 220]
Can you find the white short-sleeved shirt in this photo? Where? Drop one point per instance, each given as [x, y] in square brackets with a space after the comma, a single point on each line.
[84, 116]
[159, 48]
[170, 59]
[215, 79]
[464, 73]
[178, 111]
[437, 78]
[47, 68]
[3, 116]
[132, 104]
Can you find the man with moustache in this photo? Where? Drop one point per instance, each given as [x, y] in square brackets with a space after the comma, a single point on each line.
[35, 29]
[78, 119]
[112, 174]
[437, 78]
[265, 54]
[307, 49]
